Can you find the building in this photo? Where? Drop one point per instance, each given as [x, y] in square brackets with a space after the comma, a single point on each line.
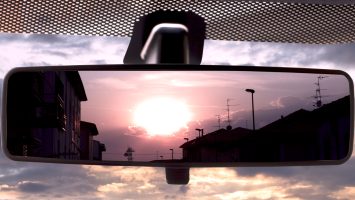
[44, 112]
[98, 148]
[90, 148]
[219, 146]
[321, 134]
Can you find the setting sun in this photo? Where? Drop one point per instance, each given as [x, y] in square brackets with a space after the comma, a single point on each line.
[161, 115]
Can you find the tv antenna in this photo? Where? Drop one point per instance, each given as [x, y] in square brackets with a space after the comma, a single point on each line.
[219, 121]
[229, 127]
[318, 96]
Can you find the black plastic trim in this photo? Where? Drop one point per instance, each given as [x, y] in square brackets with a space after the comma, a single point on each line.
[175, 67]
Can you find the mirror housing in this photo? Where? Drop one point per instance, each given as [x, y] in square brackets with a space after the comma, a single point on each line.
[10, 120]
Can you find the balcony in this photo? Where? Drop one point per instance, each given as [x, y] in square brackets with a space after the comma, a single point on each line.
[51, 115]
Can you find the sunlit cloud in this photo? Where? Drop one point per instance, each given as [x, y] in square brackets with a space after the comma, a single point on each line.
[127, 182]
[283, 102]
[344, 193]
[112, 187]
[210, 183]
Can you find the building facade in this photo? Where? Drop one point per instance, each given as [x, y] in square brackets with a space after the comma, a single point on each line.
[44, 113]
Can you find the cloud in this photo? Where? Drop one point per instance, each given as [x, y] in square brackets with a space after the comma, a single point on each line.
[344, 193]
[128, 182]
[279, 54]
[33, 180]
[32, 187]
[328, 177]
[57, 181]
[289, 101]
[46, 50]
[340, 56]
[43, 38]
[54, 53]
[193, 83]
[99, 62]
[113, 83]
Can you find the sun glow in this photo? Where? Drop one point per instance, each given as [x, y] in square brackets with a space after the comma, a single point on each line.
[162, 115]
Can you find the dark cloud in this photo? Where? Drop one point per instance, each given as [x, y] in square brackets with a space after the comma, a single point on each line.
[6, 38]
[184, 189]
[170, 197]
[83, 45]
[98, 62]
[54, 53]
[48, 179]
[302, 55]
[39, 41]
[32, 38]
[341, 55]
[32, 187]
[46, 38]
[32, 64]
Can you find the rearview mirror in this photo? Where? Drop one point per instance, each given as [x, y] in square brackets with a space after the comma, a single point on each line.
[182, 116]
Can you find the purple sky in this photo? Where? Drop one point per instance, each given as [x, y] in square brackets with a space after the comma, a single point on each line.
[20, 180]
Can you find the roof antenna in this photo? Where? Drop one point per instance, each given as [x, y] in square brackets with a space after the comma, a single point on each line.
[219, 121]
[318, 96]
[229, 127]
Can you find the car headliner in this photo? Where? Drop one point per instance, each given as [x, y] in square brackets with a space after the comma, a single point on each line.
[288, 21]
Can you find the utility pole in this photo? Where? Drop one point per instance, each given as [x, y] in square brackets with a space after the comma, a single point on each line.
[172, 154]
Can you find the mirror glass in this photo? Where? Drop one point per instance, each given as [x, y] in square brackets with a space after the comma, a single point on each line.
[178, 116]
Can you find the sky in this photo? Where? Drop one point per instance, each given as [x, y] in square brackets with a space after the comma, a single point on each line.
[20, 180]
[154, 111]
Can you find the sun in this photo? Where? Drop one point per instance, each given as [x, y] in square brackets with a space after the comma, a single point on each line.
[161, 115]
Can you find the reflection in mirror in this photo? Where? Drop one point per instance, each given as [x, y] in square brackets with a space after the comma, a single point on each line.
[177, 116]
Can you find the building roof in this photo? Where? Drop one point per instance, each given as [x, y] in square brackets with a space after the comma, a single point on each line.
[221, 136]
[91, 127]
[294, 117]
[75, 80]
[300, 125]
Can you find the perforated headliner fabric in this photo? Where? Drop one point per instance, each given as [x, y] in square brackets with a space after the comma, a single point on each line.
[278, 21]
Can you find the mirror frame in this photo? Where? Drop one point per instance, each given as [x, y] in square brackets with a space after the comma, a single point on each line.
[174, 67]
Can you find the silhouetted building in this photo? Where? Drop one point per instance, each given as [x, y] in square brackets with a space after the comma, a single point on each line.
[44, 114]
[87, 132]
[98, 148]
[219, 146]
[321, 134]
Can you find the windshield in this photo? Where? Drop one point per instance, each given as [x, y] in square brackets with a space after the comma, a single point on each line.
[50, 181]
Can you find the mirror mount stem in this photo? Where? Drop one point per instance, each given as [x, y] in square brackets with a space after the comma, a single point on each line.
[168, 37]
